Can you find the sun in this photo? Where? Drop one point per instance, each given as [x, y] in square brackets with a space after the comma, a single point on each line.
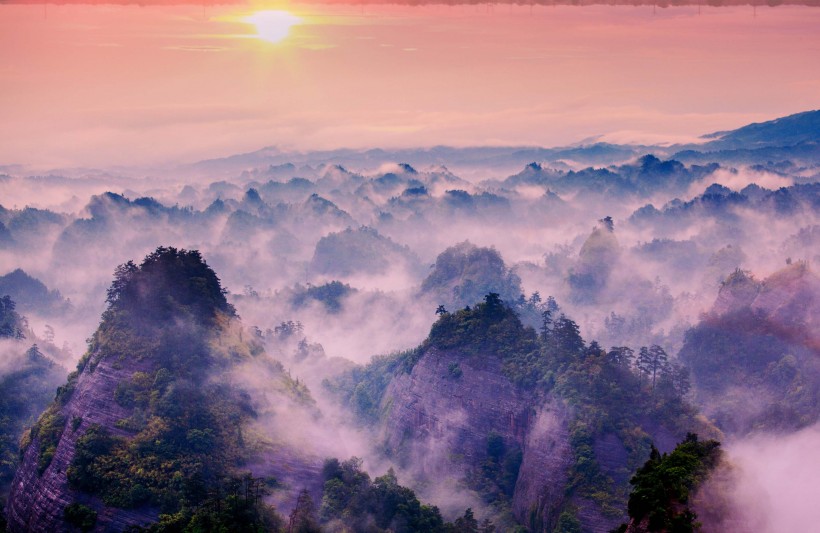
[272, 26]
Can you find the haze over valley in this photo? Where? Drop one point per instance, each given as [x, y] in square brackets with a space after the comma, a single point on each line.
[488, 322]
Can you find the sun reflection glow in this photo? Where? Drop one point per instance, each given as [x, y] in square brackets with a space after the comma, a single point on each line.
[272, 26]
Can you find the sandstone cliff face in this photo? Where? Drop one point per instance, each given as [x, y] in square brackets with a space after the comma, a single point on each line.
[539, 490]
[293, 470]
[36, 501]
[789, 299]
[754, 356]
[437, 420]
[441, 422]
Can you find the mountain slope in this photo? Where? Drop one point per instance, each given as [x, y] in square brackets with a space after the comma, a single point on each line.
[543, 429]
[150, 426]
[755, 357]
[784, 131]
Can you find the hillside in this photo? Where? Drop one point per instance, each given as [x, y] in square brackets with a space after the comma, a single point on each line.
[26, 388]
[542, 428]
[784, 131]
[755, 358]
[149, 427]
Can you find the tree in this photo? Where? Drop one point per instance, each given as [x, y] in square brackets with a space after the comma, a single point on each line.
[546, 325]
[677, 377]
[11, 324]
[662, 486]
[567, 336]
[652, 361]
[493, 304]
[441, 310]
[122, 278]
[466, 523]
[303, 518]
[615, 325]
[621, 356]
[594, 350]
[48, 334]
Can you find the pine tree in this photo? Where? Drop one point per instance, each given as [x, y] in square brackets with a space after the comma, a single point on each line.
[303, 518]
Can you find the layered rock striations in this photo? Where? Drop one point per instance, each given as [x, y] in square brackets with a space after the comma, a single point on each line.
[37, 498]
[543, 427]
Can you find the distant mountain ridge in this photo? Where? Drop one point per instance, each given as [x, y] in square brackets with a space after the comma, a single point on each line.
[801, 131]
[784, 131]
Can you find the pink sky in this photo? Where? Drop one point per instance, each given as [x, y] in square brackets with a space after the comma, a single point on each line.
[103, 85]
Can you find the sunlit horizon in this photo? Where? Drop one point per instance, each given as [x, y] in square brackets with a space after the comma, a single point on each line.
[98, 85]
[272, 26]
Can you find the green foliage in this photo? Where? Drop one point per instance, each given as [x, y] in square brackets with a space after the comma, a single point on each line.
[746, 350]
[24, 393]
[454, 370]
[491, 328]
[31, 294]
[11, 323]
[568, 523]
[303, 517]
[47, 432]
[362, 387]
[185, 431]
[494, 478]
[606, 393]
[232, 505]
[169, 281]
[169, 318]
[330, 294]
[351, 497]
[361, 250]
[595, 259]
[662, 485]
[80, 516]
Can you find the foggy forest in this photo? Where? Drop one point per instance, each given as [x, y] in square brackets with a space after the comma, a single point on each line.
[598, 335]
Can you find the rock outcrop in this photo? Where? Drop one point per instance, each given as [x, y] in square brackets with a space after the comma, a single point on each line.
[447, 404]
[437, 419]
[157, 418]
[37, 500]
[754, 356]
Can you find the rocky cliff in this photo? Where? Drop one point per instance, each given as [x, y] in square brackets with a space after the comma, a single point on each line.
[439, 416]
[37, 499]
[755, 357]
[160, 417]
[543, 430]
[447, 404]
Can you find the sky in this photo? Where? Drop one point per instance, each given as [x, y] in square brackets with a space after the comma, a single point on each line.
[107, 85]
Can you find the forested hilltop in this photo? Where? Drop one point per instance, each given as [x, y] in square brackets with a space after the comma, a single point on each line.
[151, 433]
[472, 401]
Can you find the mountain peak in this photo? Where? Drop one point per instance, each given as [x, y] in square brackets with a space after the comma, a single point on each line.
[169, 280]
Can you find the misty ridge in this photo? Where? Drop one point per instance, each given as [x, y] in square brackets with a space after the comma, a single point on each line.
[440, 339]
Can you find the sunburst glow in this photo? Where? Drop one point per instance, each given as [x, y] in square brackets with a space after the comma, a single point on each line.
[272, 26]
